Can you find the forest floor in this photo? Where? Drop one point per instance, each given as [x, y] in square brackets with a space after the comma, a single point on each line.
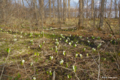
[63, 54]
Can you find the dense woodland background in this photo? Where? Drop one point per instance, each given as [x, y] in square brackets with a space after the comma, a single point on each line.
[59, 39]
[38, 11]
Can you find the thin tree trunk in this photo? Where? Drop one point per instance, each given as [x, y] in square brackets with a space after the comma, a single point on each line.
[49, 8]
[64, 10]
[53, 1]
[1, 11]
[101, 14]
[80, 23]
[61, 10]
[41, 3]
[119, 18]
[109, 14]
[92, 7]
[115, 8]
[69, 9]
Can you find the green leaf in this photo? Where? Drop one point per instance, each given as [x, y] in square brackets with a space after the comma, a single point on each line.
[8, 50]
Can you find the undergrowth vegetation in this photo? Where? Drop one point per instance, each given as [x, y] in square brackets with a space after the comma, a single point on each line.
[29, 55]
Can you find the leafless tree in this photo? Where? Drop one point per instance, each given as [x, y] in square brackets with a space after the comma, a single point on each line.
[115, 1]
[101, 14]
[49, 8]
[69, 9]
[80, 23]
[92, 9]
[110, 9]
[64, 10]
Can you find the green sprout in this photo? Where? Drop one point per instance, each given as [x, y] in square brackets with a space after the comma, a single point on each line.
[80, 37]
[104, 59]
[88, 42]
[98, 38]
[87, 38]
[21, 32]
[70, 43]
[62, 61]
[75, 45]
[93, 37]
[93, 49]
[87, 55]
[57, 43]
[25, 34]
[64, 53]
[43, 42]
[81, 56]
[84, 49]
[20, 36]
[68, 76]
[56, 40]
[51, 57]
[66, 41]
[50, 72]
[1, 29]
[23, 61]
[31, 41]
[31, 64]
[67, 65]
[36, 54]
[76, 42]
[34, 78]
[56, 49]
[31, 34]
[15, 40]
[99, 45]
[110, 35]
[8, 50]
[52, 49]
[76, 55]
[40, 46]
[60, 38]
[74, 68]
[14, 36]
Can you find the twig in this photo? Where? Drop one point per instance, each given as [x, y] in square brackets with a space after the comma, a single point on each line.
[53, 75]
[4, 67]
[99, 66]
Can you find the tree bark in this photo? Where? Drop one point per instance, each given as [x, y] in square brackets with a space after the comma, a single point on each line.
[80, 23]
[53, 2]
[64, 10]
[101, 14]
[49, 8]
[58, 8]
[109, 14]
[69, 9]
[115, 8]
[92, 7]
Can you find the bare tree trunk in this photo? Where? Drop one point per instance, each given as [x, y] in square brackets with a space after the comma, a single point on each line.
[119, 17]
[61, 10]
[64, 10]
[41, 3]
[49, 8]
[105, 10]
[53, 1]
[69, 9]
[109, 14]
[1, 11]
[92, 7]
[80, 23]
[102, 14]
[115, 8]
[87, 10]
[58, 8]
